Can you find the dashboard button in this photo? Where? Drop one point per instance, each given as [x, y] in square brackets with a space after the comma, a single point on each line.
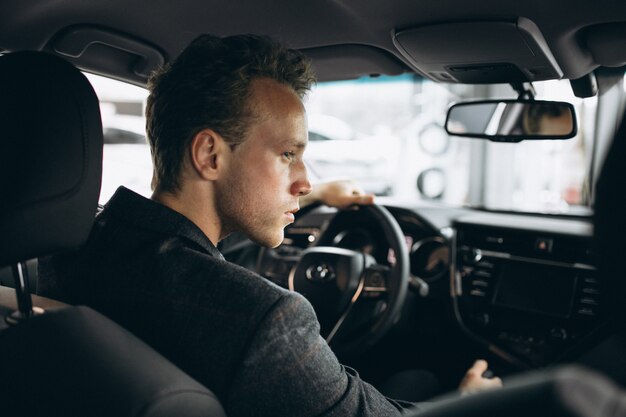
[544, 245]
[478, 293]
[483, 274]
[590, 290]
[590, 280]
[587, 311]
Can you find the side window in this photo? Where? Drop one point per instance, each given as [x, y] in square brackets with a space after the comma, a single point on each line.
[126, 155]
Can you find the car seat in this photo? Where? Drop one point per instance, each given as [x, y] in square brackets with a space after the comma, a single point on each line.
[67, 361]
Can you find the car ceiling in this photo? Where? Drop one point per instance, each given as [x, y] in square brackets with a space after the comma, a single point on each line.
[345, 38]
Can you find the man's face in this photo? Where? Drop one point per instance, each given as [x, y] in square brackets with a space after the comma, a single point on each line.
[556, 125]
[265, 175]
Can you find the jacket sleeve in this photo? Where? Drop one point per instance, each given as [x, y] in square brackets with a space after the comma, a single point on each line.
[289, 370]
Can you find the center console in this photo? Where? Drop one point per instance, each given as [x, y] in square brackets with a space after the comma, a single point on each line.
[529, 289]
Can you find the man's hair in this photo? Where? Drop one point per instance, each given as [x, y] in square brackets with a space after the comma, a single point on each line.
[208, 86]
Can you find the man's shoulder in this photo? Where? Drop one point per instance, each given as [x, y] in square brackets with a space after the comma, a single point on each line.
[223, 270]
[170, 266]
[216, 280]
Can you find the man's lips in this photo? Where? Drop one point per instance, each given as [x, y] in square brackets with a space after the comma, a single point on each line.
[291, 214]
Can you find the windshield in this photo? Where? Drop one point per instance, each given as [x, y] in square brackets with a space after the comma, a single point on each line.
[397, 146]
[386, 133]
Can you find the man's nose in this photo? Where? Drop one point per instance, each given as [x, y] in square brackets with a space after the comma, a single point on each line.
[302, 186]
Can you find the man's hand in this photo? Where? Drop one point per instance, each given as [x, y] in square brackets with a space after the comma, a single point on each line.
[342, 194]
[474, 381]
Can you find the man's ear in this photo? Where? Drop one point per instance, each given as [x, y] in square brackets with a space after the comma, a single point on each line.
[206, 153]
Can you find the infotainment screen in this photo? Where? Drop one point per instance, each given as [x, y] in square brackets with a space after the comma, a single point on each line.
[535, 288]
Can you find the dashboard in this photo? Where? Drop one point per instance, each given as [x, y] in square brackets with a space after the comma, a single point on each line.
[529, 290]
[524, 287]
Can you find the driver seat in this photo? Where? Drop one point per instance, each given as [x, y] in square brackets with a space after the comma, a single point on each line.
[69, 361]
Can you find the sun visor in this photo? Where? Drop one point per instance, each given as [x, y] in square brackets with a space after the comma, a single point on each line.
[479, 52]
[345, 62]
[607, 44]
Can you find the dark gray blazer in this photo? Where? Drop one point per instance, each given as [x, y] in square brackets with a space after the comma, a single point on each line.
[256, 345]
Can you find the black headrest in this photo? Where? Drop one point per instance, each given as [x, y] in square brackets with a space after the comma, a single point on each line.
[50, 156]
[610, 215]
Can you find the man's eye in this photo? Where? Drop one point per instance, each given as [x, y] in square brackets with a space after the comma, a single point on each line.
[289, 155]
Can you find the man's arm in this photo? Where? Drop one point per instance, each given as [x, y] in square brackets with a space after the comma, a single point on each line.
[289, 370]
[342, 194]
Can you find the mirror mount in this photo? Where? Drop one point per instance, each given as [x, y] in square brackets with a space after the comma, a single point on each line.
[525, 91]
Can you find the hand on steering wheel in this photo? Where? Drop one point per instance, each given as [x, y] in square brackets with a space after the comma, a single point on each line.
[342, 194]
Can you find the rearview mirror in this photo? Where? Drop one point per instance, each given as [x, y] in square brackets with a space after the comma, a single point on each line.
[512, 120]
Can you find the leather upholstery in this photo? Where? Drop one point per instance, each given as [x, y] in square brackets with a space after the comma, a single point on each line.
[81, 364]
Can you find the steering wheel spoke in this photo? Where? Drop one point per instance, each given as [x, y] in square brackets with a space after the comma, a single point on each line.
[277, 265]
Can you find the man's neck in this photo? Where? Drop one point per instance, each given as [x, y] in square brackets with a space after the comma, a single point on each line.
[196, 207]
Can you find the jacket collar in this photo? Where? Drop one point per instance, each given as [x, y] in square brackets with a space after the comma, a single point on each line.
[148, 214]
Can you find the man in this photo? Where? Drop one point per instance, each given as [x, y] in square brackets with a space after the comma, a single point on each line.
[227, 131]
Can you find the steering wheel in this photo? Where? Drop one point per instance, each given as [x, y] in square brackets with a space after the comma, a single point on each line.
[342, 284]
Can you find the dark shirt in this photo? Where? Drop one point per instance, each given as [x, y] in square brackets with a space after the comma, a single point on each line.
[256, 345]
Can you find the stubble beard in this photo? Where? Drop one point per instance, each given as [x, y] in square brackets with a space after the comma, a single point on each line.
[237, 213]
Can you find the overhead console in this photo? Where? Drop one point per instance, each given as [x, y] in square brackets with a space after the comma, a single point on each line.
[527, 287]
[479, 52]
